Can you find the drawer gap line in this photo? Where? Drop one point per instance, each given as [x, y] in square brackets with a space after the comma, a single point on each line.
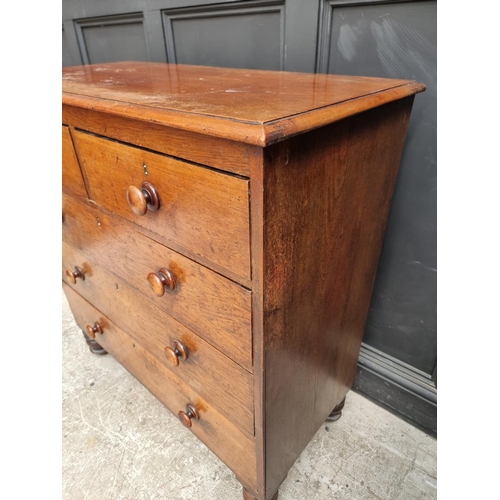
[159, 153]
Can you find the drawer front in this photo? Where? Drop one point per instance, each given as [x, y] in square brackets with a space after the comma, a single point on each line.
[202, 213]
[72, 179]
[214, 307]
[208, 150]
[216, 378]
[233, 447]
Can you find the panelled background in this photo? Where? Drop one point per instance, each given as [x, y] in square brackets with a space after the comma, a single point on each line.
[385, 38]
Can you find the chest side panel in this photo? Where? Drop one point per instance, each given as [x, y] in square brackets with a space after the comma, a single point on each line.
[325, 206]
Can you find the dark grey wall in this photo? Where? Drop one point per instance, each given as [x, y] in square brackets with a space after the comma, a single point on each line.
[398, 40]
[378, 38]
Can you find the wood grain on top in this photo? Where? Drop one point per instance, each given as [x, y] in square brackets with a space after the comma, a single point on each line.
[256, 107]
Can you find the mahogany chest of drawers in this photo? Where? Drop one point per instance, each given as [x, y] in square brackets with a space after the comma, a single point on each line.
[221, 233]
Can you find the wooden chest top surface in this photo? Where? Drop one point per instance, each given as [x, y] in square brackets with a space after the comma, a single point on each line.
[253, 106]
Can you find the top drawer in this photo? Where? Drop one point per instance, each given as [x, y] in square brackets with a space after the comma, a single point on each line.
[202, 213]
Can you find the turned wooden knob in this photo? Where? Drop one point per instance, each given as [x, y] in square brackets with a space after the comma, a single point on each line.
[161, 280]
[92, 330]
[74, 275]
[186, 416]
[173, 354]
[140, 200]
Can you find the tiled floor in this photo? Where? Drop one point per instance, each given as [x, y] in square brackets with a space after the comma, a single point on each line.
[120, 442]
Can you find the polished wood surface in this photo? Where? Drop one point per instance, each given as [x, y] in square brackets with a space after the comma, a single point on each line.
[161, 281]
[218, 379]
[186, 417]
[248, 496]
[327, 196]
[222, 315]
[72, 179]
[258, 333]
[256, 107]
[191, 199]
[177, 352]
[74, 274]
[211, 151]
[233, 447]
[141, 199]
[236, 284]
[94, 329]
